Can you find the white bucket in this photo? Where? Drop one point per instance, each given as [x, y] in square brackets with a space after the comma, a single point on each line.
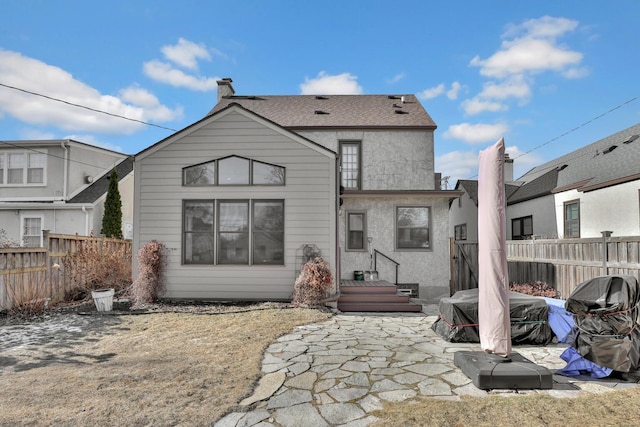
[103, 299]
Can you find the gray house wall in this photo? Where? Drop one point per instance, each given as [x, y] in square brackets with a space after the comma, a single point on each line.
[309, 195]
[394, 160]
[68, 164]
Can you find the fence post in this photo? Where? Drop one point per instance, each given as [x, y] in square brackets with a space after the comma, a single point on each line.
[605, 251]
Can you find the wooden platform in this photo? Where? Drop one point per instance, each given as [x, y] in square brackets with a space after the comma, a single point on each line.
[370, 296]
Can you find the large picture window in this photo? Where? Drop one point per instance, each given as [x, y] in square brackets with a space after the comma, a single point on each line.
[233, 170]
[350, 161]
[356, 231]
[240, 232]
[198, 232]
[522, 228]
[22, 168]
[572, 219]
[413, 228]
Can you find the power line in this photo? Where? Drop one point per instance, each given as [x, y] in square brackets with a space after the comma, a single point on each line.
[85, 107]
[571, 131]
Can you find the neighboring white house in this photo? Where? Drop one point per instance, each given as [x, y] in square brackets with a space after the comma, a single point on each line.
[60, 186]
[581, 194]
[359, 181]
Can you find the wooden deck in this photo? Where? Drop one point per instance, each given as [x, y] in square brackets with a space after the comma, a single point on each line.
[376, 295]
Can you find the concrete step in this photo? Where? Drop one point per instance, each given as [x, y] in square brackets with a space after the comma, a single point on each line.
[379, 307]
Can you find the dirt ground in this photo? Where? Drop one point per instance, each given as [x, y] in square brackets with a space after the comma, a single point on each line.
[163, 365]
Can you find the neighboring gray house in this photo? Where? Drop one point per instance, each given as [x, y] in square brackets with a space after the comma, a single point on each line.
[463, 212]
[355, 169]
[597, 188]
[60, 186]
[581, 194]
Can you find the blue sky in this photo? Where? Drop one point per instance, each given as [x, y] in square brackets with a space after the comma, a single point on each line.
[548, 76]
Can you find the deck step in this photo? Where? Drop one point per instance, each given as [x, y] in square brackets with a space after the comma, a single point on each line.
[372, 297]
[390, 289]
[378, 307]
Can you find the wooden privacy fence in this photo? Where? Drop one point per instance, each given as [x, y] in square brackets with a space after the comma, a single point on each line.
[48, 272]
[561, 263]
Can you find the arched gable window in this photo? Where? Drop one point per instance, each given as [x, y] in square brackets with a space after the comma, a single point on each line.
[233, 170]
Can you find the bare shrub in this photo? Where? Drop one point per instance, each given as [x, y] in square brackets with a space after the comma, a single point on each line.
[312, 284]
[537, 288]
[149, 285]
[99, 264]
[29, 298]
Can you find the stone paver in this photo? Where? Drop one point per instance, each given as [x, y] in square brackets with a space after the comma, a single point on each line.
[339, 371]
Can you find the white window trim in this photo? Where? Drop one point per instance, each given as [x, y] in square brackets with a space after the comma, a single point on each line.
[22, 221]
[5, 171]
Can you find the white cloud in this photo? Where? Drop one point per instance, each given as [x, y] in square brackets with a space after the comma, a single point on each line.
[545, 27]
[457, 165]
[454, 91]
[476, 133]
[186, 53]
[431, 93]
[576, 73]
[154, 110]
[513, 87]
[475, 106]
[36, 134]
[166, 73]
[533, 50]
[397, 78]
[41, 78]
[325, 84]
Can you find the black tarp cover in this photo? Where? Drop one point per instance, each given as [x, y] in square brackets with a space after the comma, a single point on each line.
[605, 312]
[458, 319]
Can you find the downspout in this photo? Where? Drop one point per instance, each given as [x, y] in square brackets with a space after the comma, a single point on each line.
[337, 216]
[65, 170]
[86, 220]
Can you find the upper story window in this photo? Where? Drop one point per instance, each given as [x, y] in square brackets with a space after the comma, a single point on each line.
[22, 168]
[572, 219]
[413, 228]
[350, 165]
[233, 170]
[522, 228]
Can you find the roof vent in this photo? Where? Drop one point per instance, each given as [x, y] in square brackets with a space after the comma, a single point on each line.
[393, 97]
[320, 112]
[630, 139]
[561, 167]
[610, 149]
[321, 97]
[398, 111]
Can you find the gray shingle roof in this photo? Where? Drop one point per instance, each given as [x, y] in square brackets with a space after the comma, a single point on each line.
[609, 161]
[541, 186]
[100, 187]
[471, 187]
[336, 111]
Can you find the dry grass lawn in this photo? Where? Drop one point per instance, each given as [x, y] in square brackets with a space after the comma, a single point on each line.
[616, 408]
[154, 369]
[188, 369]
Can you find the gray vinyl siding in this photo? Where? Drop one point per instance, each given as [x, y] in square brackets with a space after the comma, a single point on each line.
[309, 199]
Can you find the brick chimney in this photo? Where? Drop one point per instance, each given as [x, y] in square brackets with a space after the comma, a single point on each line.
[225, 88]
[508, 168]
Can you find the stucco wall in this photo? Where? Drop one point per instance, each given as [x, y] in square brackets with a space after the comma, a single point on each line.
[430, 268]
[391, 159]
